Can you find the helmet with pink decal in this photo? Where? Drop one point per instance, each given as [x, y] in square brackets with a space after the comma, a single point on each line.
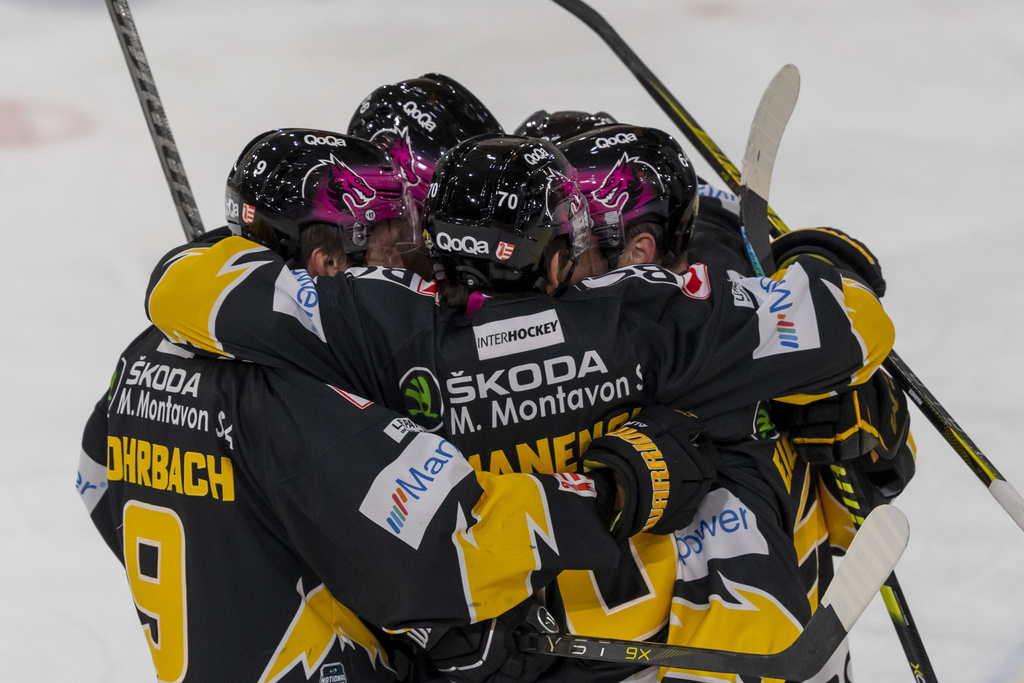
[495, 205]
[289, 179]
[631, 175]
[419, 119]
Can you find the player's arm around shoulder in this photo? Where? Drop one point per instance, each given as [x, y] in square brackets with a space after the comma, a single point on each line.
[402, 529]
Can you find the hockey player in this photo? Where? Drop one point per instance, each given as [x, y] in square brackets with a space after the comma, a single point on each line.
[343, 194]
[639, 188]
[416, 121]
[216, 482]
[635, 336]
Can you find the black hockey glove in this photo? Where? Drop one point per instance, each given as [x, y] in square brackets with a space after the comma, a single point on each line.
[835, 247]
[664, 470]
[866, 430]
[486, 652]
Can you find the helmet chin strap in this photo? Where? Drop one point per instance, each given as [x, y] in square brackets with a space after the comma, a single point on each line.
[564, 284]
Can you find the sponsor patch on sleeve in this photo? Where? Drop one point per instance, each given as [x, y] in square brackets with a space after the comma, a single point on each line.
[724, 527]
[405, 495]
[398, 428]
[295, 295]
[787, 321]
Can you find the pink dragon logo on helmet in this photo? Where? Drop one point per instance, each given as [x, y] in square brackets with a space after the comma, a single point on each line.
[397, 143]
[623, 184]
[567, 188]
[345, 189]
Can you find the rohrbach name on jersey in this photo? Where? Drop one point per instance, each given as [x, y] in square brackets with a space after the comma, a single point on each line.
[166, 468]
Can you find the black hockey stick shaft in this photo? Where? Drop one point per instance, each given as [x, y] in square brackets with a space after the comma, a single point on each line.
[156, 119]
[689, 127]
[851, 484]
[870, 558]
[1004, 492]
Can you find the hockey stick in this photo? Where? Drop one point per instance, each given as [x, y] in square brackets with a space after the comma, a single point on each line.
[770, 119]
[769, 124]
[707, 148]
[870, 558]
[156, 119]
[851, 485]
[1004, 492]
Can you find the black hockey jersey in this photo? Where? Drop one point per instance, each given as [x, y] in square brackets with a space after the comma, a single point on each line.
[258, 511]
[525, 384]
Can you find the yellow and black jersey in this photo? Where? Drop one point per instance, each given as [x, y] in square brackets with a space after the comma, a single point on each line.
[270, 524]
[524, 385]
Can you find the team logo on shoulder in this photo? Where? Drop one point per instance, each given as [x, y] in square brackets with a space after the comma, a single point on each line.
[504, 251]
[423, 400]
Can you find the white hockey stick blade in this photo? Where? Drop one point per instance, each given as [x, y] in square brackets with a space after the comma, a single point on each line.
[769, 123]
[884, 536]
[870, 559]
[766, 131]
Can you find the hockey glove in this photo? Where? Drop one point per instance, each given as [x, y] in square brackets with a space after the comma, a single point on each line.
[487, 652]
[835, 247]
[663, 469]
[865, 430]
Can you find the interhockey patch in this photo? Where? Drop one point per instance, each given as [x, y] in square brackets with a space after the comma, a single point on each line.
[517, 335]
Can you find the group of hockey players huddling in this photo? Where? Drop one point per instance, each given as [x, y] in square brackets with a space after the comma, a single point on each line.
[497, 382]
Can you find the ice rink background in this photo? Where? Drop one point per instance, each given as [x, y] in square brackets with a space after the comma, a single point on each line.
[907, 135]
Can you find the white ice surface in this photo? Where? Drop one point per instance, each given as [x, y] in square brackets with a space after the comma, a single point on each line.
[907, 134]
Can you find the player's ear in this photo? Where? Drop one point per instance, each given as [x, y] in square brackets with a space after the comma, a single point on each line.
[642, 248]
[325, 264]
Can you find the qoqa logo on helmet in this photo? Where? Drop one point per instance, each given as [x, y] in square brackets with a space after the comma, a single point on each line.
[620, 139]
[467, 245]
[538, 155]
[323, 140]
[421, 117]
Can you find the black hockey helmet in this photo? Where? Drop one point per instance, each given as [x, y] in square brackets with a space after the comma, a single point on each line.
[494, 206]
[419, 119]
[562, 125]
[289, 179]
[630, 175]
